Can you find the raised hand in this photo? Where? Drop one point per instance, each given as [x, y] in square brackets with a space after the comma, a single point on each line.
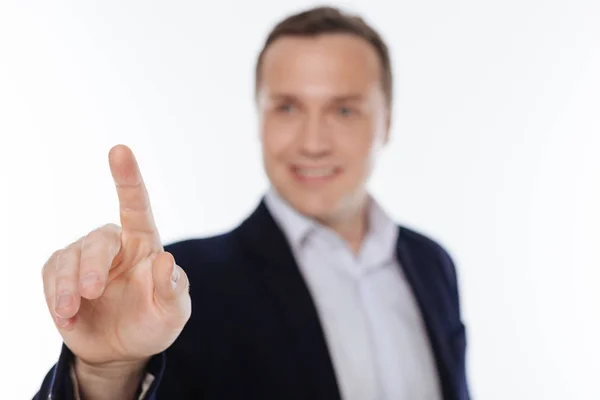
[115, 295]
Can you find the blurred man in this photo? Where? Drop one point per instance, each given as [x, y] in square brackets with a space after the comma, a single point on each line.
[318, 294]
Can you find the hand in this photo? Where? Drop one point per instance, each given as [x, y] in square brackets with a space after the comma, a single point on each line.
[116, 297]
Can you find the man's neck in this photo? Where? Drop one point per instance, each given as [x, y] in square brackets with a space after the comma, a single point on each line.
[352, 227]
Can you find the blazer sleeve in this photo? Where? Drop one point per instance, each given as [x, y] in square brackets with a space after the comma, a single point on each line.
[59, 385]
[461, 336]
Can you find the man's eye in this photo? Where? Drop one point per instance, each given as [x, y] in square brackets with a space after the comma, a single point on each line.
[285, 108]
[345, 111]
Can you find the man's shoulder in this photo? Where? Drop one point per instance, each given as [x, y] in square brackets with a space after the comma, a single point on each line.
[429, 252]
[418, 241]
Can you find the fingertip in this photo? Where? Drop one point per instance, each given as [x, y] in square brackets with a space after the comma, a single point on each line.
[179, 280]
[175, 275]
[174, 270]
[65, 324]
[92, 292]
[91, 286]
[166, 262]
[118, 151]
[66, 304]
[166, 274]
[122, 164]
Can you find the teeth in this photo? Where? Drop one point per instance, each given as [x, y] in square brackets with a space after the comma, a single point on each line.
[316, 172]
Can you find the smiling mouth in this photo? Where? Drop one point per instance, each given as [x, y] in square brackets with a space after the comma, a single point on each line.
[315, 174]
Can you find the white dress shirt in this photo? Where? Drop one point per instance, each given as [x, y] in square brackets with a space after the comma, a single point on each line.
[373, 326]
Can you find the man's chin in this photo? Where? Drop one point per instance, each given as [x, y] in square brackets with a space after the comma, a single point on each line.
[316, 208]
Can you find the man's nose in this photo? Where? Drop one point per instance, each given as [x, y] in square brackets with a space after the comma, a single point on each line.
[315, 137]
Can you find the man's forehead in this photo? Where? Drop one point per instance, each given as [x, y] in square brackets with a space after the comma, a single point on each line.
[321, 66]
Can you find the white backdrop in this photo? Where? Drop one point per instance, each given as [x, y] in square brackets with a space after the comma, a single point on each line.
[495, 152]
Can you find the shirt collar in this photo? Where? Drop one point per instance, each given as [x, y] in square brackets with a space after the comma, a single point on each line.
[294, 225]
[381, 237]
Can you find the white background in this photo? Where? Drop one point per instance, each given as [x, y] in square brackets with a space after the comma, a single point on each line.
[495, 153]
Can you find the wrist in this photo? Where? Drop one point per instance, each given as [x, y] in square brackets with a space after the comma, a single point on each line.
[110, 380]
[111, 369]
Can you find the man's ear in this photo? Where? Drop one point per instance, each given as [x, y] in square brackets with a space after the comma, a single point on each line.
[388, 126]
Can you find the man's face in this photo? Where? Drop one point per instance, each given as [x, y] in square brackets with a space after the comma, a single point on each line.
[323, 118]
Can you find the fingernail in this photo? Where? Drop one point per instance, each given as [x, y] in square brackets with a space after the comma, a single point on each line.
[64, 300]
[89, 280]
[175, 273]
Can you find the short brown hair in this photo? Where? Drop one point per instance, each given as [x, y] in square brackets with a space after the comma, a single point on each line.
[324, 20]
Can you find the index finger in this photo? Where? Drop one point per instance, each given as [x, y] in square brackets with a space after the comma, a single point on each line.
[134, 203]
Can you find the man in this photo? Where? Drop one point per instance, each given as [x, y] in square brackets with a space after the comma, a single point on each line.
[316, 295]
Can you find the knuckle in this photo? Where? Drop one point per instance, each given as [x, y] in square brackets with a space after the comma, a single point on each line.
[92, 240]
[105, 236]
[70, 248]
[111, 227]
[66, 261]
[50, 264]
[186, 282]
[68, 254]
[110, 231]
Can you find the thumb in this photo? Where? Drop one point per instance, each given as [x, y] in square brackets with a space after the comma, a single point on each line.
[170, 281]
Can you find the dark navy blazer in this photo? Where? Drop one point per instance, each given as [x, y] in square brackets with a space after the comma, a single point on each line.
[255, 333]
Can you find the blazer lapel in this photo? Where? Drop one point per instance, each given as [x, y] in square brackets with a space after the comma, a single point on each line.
[417, 267]
[280, 273]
